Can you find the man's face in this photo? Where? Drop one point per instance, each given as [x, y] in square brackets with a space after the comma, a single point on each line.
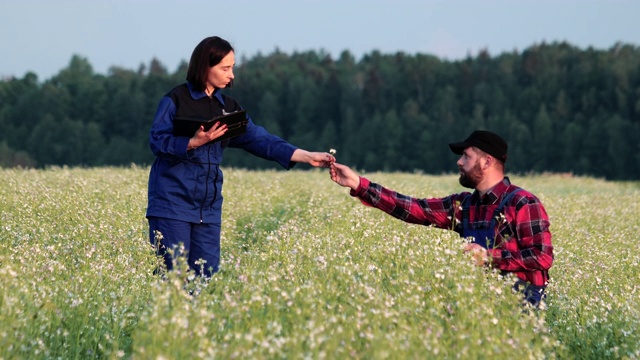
[470, 168]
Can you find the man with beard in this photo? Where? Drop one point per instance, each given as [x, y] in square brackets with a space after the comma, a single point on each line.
[507, 226]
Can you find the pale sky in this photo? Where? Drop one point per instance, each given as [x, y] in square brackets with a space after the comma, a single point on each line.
[42, 35]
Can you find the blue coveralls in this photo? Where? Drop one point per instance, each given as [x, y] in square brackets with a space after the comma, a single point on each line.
[185, 187]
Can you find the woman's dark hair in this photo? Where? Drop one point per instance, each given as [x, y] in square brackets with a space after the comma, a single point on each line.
[207, 54]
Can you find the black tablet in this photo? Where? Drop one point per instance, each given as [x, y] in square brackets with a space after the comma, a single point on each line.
[236, 124]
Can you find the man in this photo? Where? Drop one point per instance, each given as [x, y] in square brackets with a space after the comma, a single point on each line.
[507, 226]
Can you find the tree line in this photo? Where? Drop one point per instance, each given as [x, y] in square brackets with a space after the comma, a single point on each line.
[561, 108]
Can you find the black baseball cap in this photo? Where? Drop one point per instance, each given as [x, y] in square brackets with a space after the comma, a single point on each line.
[489, 142]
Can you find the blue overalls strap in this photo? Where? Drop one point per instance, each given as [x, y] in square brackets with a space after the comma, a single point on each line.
[498, 210]
[483, 236]
[466, 203]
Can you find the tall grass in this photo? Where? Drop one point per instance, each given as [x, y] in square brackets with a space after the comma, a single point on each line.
[307, 272]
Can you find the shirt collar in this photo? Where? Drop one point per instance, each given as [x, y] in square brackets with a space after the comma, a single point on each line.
[196, 95]
[491, 196]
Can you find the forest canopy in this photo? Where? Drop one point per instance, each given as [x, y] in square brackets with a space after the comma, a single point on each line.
[561, 108]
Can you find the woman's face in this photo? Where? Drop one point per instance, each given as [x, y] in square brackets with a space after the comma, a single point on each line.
[221, 74]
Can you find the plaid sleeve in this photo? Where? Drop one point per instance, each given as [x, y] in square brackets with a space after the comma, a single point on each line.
[531, 248]
[434, 211]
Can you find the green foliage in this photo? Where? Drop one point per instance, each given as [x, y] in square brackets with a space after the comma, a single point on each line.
[306, 272]
[562, 109]
[73, 262]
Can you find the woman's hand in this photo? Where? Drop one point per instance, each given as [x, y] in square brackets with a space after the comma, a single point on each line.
[317, 159]
[202, 137]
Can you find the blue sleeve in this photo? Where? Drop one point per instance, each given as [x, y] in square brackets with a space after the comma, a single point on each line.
[161, 138]
[258, 141]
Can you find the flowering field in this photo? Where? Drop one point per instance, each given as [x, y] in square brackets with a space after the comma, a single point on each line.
[306, 272]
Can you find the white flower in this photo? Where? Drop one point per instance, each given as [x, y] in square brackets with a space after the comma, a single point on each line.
[332, 151]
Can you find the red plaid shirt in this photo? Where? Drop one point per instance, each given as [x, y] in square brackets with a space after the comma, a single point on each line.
[522, 242]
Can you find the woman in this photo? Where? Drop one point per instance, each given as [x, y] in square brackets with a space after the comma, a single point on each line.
[185, 182]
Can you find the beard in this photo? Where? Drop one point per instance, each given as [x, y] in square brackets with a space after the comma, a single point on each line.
[470, 179]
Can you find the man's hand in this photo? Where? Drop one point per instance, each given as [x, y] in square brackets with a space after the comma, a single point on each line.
[344, 176]
[478, 253]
